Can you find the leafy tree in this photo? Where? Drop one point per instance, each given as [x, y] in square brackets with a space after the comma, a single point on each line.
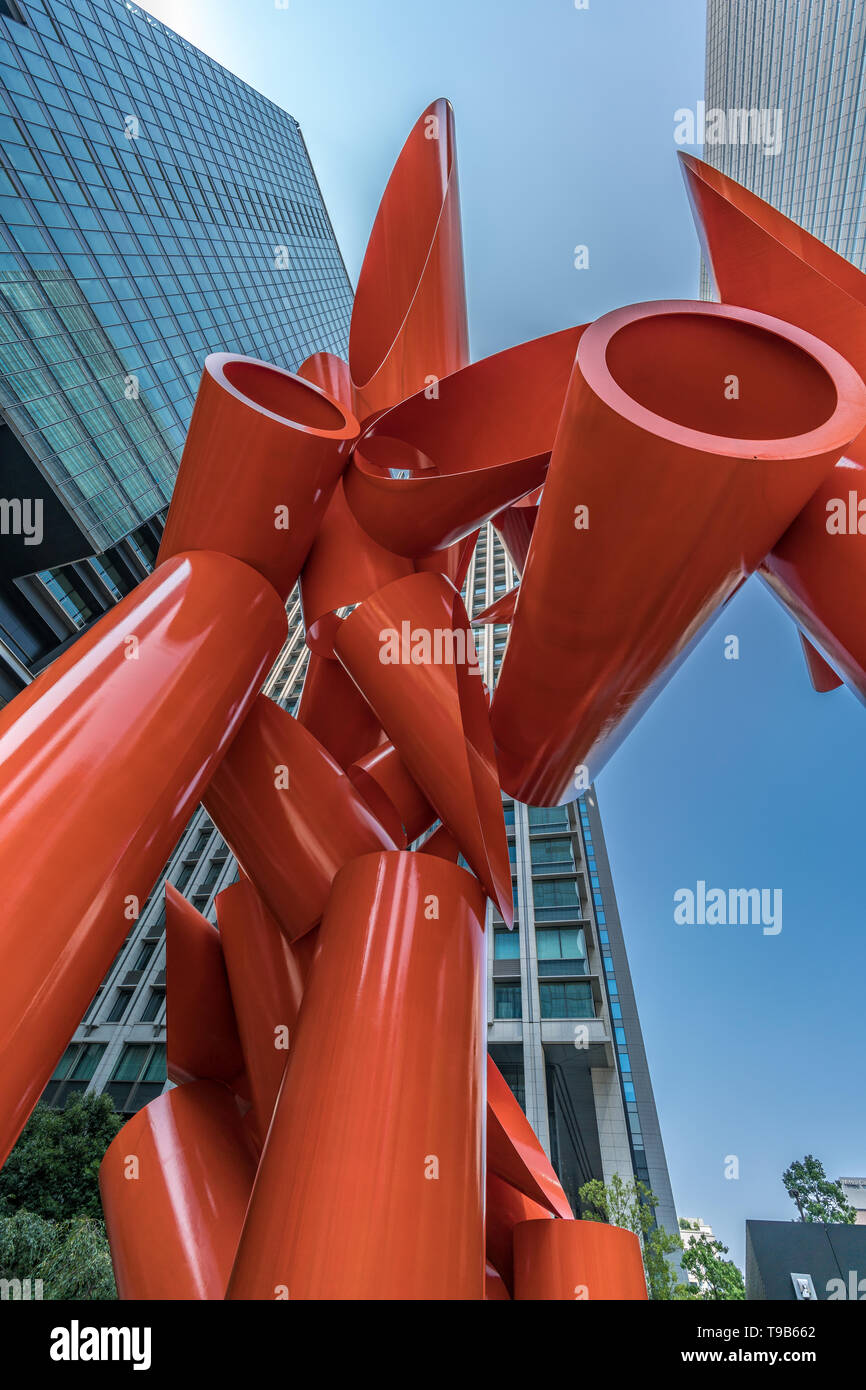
[632, 1205]
[71, 1258]
[52, 1171]
[718, 1279]
[814, 1195]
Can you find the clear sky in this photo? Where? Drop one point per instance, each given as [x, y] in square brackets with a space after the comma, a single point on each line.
[739, 775]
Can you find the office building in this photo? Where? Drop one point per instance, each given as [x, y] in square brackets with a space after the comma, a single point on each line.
[798, 63]
[153, 208]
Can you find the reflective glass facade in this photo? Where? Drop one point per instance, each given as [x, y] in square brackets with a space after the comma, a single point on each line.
[153, 208]
[807, 60]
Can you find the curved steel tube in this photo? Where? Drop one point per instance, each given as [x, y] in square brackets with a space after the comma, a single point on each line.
[664, 490]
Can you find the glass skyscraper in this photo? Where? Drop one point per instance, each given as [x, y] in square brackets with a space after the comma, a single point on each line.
[153, 208]
[806, 60]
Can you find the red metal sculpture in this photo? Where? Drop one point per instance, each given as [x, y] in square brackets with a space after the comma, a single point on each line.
[327, 1135]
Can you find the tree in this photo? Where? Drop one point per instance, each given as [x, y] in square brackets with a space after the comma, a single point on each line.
[56, 1259]
[814, 1195]
[718, 1279]
[632, 1205]
[52, 1171]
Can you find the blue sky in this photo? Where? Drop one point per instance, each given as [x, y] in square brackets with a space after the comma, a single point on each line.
[739, 775]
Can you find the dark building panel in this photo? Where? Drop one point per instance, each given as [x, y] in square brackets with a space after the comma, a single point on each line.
[828, 1254]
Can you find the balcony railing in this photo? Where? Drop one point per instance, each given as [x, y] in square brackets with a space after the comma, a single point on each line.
[560, 913]
[554, 866]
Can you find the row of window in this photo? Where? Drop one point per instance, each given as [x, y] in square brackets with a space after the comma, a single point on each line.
[557, 999]
[139, 1075]
[551, 943]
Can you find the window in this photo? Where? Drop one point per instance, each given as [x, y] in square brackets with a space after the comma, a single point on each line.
[9, 10]
[566, 1000]
[213, 873]
[68, 595]
[144, 955]
[130, 1062]
[555, 817]
[556, 900]
[62, 1068]
[120, 1005]
[560, 943]
[549, 855]
[506, 945]
[184, 876]
[85, 1063]
[72, 1073]
[138, 1077]
[151, 1009]
[512, 1072]
[155, 1069]
[109, 574]
[507, 1001]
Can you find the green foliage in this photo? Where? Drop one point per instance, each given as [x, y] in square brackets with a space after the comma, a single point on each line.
[632, 1205]
[814, 1195]
[52, 1171]
[718, 1279]
[71, 1258]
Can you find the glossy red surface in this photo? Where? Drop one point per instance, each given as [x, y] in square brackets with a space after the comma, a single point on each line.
[654, 451]
[762, 260]
[442, 845]
[514, 1153]
[287, 439]
[104, 758]
[515, 526]
[505, 1207]
[201, 1034]
[817, 570]
[383, 781]
[494, 1287]
[174, 1184]
[371, 1182]
[409, 317]
[344, 567]
[290, 815]
[267, 976]
[453, 561]
[357, 1047]
[481, 442]
[450, 752]
[563, 1261]
[335, 712]
[330, 372]
[501, 611]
